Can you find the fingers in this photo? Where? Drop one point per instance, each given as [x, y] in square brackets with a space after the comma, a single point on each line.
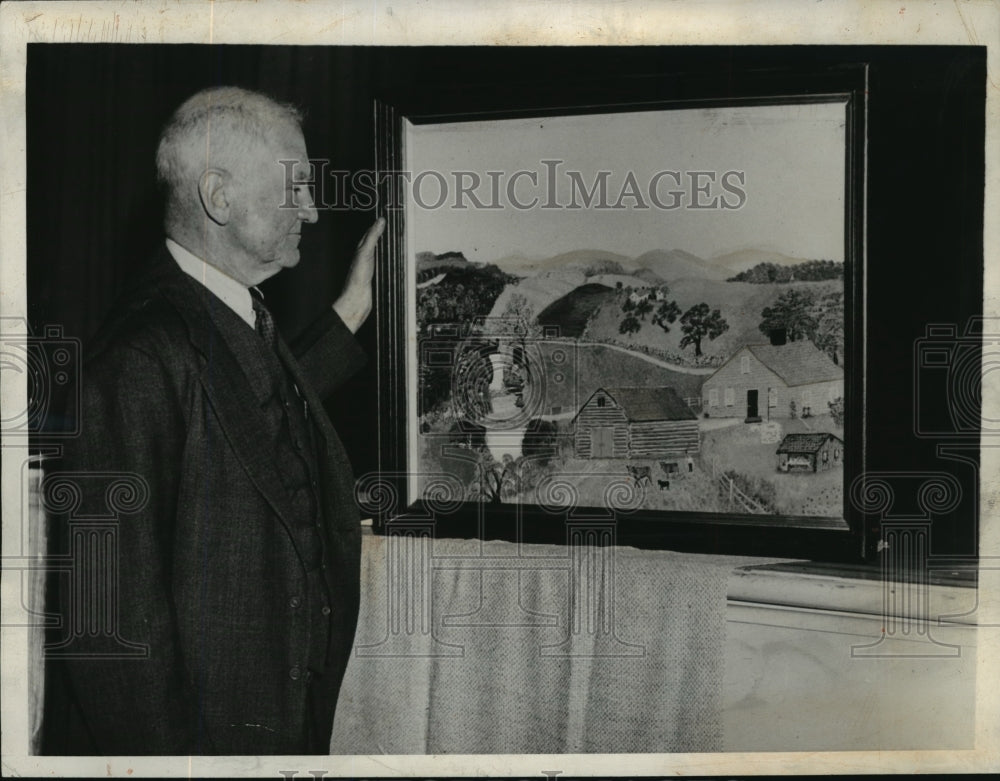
[371, 237]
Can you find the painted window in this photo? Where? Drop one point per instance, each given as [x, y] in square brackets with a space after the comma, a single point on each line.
[713, 397]
[745, 364]
[772, 397]
[730, 397]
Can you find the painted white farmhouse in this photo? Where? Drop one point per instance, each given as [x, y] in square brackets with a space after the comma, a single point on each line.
[761, 381]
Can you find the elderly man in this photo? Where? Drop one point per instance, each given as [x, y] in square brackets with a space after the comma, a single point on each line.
[239, 572]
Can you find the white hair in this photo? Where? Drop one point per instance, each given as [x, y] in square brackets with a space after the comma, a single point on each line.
[213, 128]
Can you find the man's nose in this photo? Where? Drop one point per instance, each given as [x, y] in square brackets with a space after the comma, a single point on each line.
[307, 209]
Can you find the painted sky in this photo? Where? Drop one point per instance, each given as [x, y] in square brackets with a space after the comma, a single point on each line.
[791, 157]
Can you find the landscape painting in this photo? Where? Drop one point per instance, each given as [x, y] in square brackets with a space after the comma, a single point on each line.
[637, 310]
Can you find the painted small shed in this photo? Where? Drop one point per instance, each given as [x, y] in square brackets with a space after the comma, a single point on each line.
[812, 452]
[635, 423]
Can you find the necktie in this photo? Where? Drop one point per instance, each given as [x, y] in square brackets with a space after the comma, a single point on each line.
[264, 326]
[263, 322]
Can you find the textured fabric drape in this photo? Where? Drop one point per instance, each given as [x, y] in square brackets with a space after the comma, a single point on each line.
[489, 647]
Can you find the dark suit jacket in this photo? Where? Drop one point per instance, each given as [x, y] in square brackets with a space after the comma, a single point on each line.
[210, 576]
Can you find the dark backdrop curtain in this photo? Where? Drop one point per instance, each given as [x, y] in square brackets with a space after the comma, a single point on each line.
[94, 211]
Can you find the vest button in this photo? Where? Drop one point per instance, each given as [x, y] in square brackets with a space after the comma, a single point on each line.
[295, 602]
[326, 610]
[295, 673]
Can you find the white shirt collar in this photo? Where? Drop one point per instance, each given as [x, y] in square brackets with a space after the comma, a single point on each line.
[231, 292]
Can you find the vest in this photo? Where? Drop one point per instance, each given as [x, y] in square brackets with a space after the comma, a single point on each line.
[291, 436]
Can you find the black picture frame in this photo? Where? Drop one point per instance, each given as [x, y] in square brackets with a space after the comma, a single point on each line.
[388, 493]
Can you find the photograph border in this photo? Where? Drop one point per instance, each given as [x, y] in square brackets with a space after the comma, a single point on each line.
[974, 23]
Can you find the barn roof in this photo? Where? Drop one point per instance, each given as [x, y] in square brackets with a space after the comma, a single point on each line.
[804, 443]
[647, 404]
[797, 363]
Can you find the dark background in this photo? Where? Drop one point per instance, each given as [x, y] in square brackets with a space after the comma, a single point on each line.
[94, 113]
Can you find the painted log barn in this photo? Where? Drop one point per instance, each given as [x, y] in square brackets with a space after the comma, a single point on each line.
[635, 423]
[813, 452]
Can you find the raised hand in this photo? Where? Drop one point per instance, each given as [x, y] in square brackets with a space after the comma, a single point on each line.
[355, 302]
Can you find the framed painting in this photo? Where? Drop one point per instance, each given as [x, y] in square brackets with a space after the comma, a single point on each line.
[642, 302]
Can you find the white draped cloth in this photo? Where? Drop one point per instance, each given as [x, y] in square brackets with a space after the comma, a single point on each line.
[495, 648]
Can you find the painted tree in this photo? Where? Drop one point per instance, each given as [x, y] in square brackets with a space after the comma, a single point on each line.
[837, 411]
[698, 322]
[666, 313]
[496, 481]
[518, 323]
[828, 335]
[446, 314]
[793, 312]
[540, 440]
[643, 307]
[471, 376]
[517, 320]
[629, 325]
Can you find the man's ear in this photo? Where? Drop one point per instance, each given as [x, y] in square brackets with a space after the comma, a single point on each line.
[213, 191]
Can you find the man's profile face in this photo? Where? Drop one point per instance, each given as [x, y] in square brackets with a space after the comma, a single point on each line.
[270, 201]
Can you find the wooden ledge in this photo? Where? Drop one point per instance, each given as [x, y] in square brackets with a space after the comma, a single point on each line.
[948, 595]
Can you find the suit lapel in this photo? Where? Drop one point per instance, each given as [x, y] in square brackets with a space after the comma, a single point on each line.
[338, 482]
[233, 386]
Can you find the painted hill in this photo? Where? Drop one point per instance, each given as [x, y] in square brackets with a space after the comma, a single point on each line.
[572, 312]
[428, 261]
[538, 291]
[627, 280]
[746, 259]
[544, 281]
[740, 303]
[586, 261]
[649, 277]
[670, 265]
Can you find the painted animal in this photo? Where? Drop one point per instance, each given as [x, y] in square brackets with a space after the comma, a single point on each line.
[640, 473]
